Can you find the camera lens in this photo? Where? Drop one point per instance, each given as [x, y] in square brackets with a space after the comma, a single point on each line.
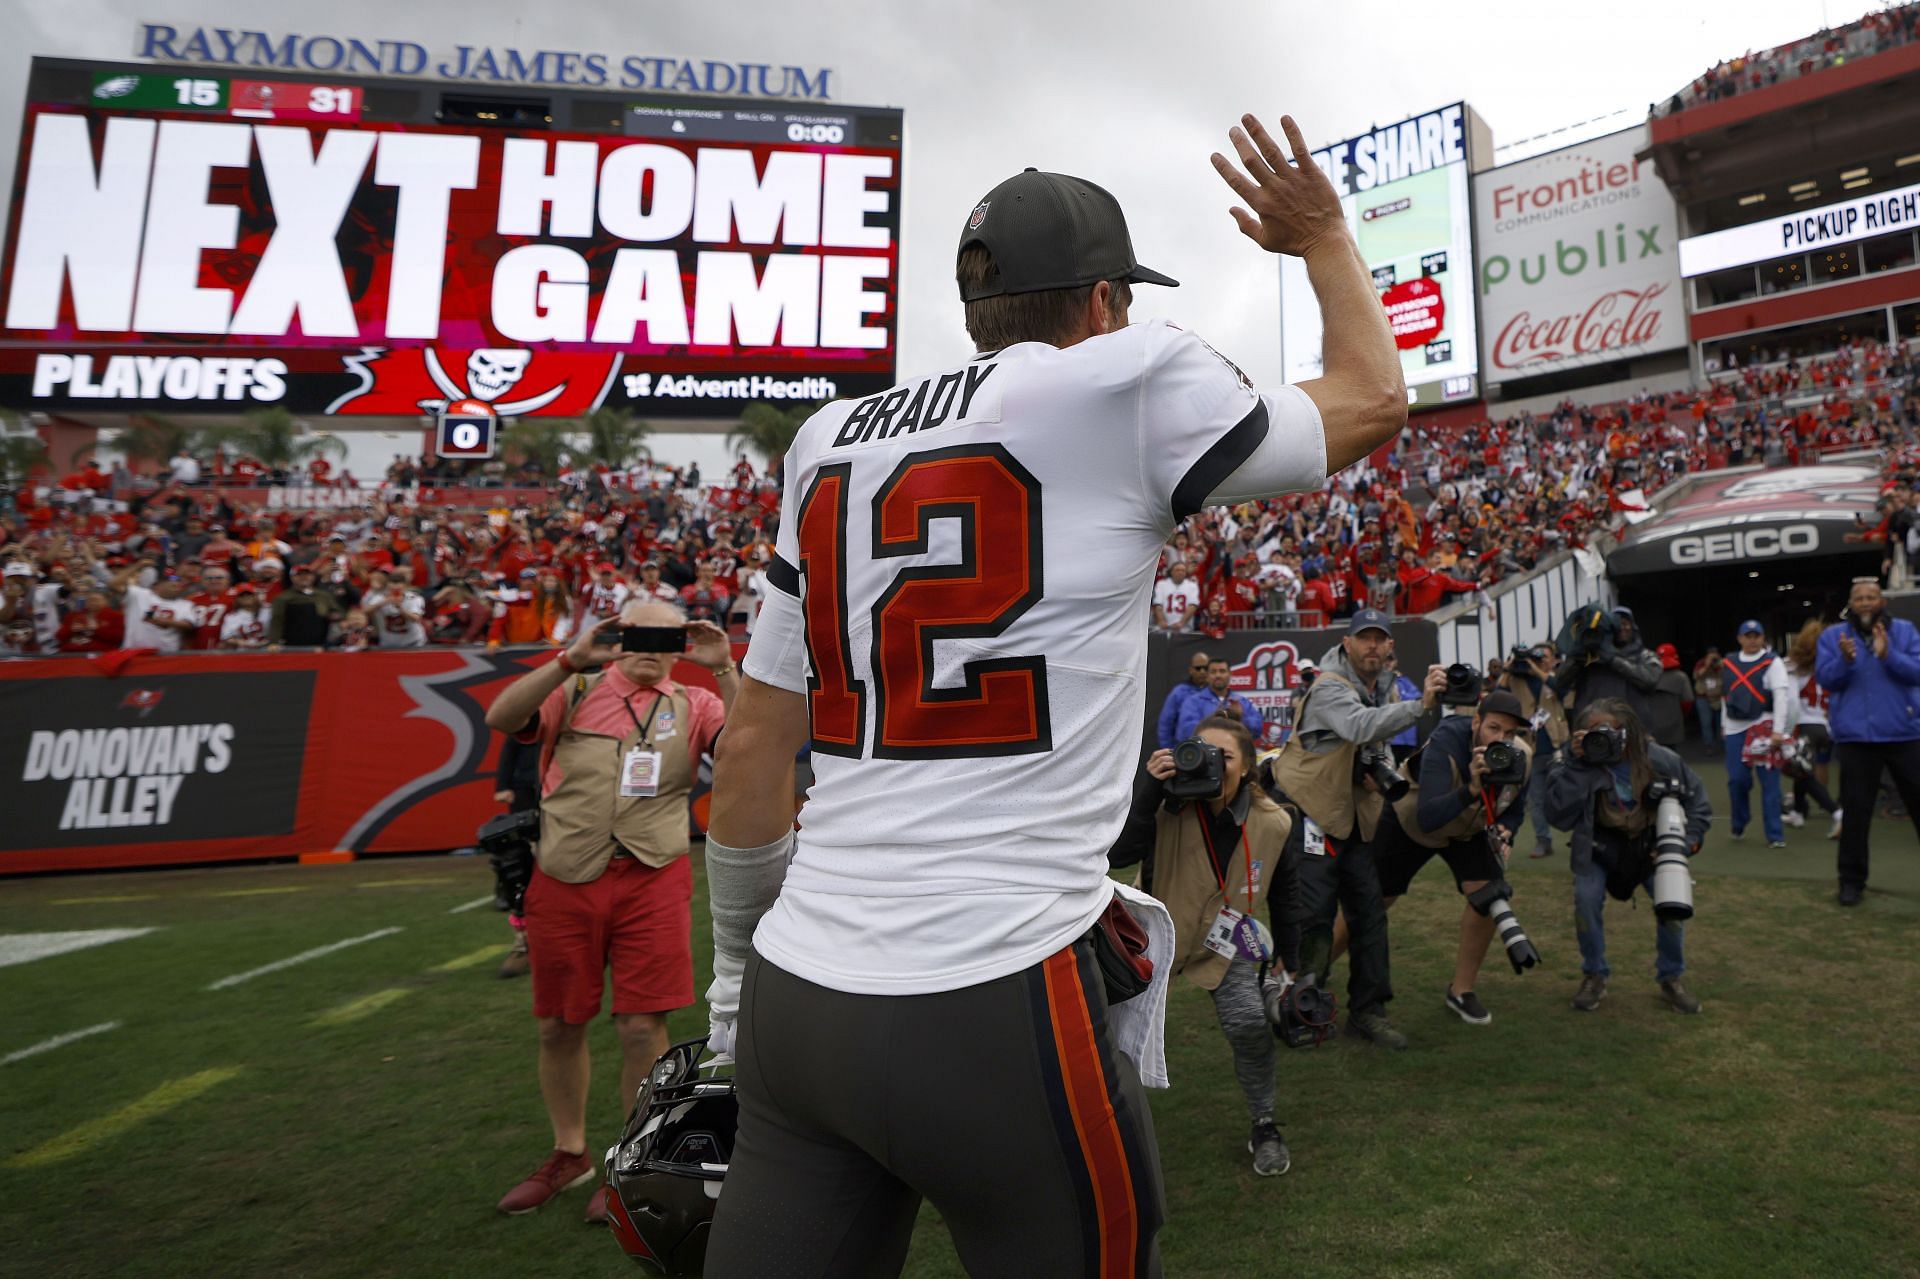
[1188, 757]
[1499, 757]
[1460, 675]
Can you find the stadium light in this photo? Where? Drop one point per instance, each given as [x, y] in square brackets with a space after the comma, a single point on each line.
[1857, 182]
[1806, 195]
[1803, 186]
[1755, 198]
[1850, 174]
[1905, 160]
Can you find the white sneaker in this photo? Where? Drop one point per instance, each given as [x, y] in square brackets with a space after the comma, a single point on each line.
[1794, 819]
[1834, 832]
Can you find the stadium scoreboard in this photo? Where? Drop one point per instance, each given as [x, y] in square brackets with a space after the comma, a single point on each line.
[1404, 189]
[182, 240]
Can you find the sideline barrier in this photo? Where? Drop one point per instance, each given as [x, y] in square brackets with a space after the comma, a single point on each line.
[225, 757]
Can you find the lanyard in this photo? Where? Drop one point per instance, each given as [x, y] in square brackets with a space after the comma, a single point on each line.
[627, 702]
[1213, 857]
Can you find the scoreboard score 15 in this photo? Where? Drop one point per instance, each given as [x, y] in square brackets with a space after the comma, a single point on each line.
[465, 434]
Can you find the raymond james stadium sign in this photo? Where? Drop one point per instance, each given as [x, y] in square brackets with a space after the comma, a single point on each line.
[486, 64]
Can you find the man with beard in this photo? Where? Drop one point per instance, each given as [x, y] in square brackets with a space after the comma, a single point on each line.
[1870, 663]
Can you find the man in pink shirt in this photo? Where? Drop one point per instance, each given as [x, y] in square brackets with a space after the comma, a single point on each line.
[612, 888]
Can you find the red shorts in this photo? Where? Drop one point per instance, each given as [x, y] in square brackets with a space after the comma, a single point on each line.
[634, 918]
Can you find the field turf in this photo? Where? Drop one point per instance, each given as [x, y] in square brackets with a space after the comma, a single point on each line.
[359, 1113]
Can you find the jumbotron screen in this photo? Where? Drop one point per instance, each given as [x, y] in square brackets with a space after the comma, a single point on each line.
[1404, 190]
[188, 242]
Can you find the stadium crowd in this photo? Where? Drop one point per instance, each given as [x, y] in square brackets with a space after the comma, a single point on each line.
[1829, 47]
[101, 562]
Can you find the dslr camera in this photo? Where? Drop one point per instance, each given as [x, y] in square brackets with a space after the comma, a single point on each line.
[1493, 902]
[508, 842]
[1605, 745]
[1506, 764]
[1376, 761]
[1463, 686]
[1199, 770]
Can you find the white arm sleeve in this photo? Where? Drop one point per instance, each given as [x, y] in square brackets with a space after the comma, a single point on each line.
[742, 884]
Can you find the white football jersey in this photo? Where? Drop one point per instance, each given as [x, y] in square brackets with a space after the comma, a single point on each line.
[961, 591]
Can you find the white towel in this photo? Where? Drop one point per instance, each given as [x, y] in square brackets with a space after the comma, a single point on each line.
[1139, 1026]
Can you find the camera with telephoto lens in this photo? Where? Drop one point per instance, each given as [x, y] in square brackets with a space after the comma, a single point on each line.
[1493, 901]
[1300, 1013]
[1505, 764]
[508, 842]
[1376, 761]
[1199, 770]
[1604, 745]
[1672, 880]
[1463, 686]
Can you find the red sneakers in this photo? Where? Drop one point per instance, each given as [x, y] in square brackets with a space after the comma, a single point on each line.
[561, 1171]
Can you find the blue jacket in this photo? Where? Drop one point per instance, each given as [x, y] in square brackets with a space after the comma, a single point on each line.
[1202, 702]
[1406, 690]
[1874, 700]
[1167, 729]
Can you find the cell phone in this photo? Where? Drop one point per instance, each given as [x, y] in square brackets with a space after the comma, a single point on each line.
[653, 639]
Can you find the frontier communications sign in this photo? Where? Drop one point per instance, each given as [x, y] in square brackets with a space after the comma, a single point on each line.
[1577, 260]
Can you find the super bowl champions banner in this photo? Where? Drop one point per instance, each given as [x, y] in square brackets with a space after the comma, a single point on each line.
[198, 758]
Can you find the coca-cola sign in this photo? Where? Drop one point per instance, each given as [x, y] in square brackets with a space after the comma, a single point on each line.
[1576, 260]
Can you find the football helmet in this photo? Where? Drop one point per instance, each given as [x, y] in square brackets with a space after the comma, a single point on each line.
[664, 1175]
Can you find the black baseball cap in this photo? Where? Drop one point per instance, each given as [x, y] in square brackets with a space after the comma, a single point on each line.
[1501, 702]
[1051, 231]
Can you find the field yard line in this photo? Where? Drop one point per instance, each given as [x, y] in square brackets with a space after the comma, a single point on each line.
[471, 958]
[355, 1009]
[162, 1099]
[58, 1041]
[402, 883]
[475, 904]
[261, 892]
[24, 948]
[88, 901]
[300, 958]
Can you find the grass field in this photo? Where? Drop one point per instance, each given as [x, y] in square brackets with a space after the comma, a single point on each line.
[358, 1113]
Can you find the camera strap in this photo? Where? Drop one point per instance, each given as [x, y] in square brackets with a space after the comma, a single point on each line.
[1213, 853]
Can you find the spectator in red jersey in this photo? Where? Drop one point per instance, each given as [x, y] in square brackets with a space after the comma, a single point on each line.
[1424, 587]
[98, 627]
[1317, 600]
[704, 600]
[1236, 596]
[210, 604]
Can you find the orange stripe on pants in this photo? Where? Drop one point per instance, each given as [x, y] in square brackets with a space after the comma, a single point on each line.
[1093, 1118]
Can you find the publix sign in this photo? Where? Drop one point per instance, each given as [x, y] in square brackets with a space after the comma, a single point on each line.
[1577, 261]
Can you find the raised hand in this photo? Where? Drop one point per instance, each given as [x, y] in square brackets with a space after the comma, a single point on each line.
[1294, 206]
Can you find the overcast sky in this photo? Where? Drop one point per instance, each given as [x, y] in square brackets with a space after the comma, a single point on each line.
[1132, 94]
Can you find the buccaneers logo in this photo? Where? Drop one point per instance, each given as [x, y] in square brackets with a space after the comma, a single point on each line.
[485, 382]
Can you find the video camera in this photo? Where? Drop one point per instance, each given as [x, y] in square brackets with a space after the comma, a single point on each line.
[508, 842]
[1672, 880]
[1492, 902]
[1199, 770]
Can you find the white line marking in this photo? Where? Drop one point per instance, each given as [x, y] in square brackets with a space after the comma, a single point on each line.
[472, 905]
[58, 1041]
[24, 948]
[300, 958]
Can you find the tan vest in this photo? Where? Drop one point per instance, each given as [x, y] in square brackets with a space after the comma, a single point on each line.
[1472, 819]
[1183, 881]
[1323, 785]
[586, 813]
[1608, 813]
[1549, 701]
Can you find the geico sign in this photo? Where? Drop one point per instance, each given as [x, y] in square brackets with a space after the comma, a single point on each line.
[1745, 544]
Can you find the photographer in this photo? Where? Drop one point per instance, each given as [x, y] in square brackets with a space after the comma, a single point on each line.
[1598, 793]
[1529, 677]
[1870, 664]
[1333, 768]
[1465, 811]
[612, 887]
[1607, 659]
[1208, 858]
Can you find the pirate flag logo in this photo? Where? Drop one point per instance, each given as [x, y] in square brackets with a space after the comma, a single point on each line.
[487, 382]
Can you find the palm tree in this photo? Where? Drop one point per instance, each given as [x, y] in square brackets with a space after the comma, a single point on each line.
[277, 438]
[538, 442]
[615, 436]
[768, 429]
[21, 452]
[153, 439]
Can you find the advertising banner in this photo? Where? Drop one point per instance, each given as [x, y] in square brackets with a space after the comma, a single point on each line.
[1803, 231]
[1577, 261]
[1404, 190]
[153, 761]
[1748, 518]
[220, 254]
